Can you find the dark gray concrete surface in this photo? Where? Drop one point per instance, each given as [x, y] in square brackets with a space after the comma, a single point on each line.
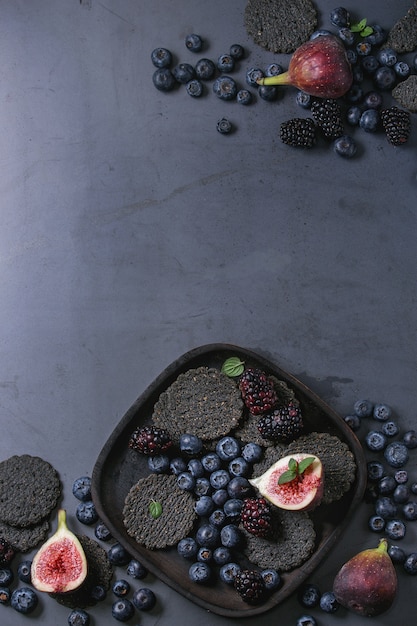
[131, 232]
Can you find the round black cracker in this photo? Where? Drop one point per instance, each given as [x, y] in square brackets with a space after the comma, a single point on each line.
[290, 543]
[405, 93]
[99, 572]
[280, 25]
[29, 490]
[201, 401]
[25, 539]
[176, 520]
[403, 35]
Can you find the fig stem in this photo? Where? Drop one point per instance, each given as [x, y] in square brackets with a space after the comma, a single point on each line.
[280, 79]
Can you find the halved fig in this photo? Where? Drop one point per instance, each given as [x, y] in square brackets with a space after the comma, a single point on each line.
[294, 482]
[60, 564]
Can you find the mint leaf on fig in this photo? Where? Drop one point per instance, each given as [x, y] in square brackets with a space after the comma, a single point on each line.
[233, 366]
[302, 466]
[155, 509]
[287, 477]
[295, 470]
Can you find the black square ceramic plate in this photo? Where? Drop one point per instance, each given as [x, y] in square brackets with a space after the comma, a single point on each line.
[116, 471]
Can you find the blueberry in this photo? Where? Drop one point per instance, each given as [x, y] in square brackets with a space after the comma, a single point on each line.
[205, 555]
[161, 57]
[218, 518]
[202, 486]
[237, 51]
[306, 620]
[381, 412]
[228, 572]
[81, 488]
[274, 69]
[178, 465]
[102, 532]
[340, 17]
[24, 600]
[239, 467]
[230, 536]
[303, 99]
[378, 35]
[376, 523]
[194, 88]
[86, 513]
[345, 146]
[363, 408]
[395, 529]
[387, 485]
[271, 578]
[78, 617]
[401, 476]
[220, 496]
[269, 93]
[199, 572]
[414, 488]
[118, 555]
[186, 481]
[369, 120]
[211, 462]
[144, 599]
[225, 63]
[98, 593]
[410, 564]
[370, 64]
[183, 73]
[221, 555]
[375, 470]
[373, 100]
[384, 78]
[205, 69]
[232, 508]
[187, 548]
[194, 42]
[346, 35]
[353, 115]
[228, 448]
[396, 454]
[244, 97]
[24, 571]
[163, 79]
[239, 487]
[375, 440]
[390, 429]
[386, 508]
[219, 479]
[320, 32]
[409, 511]
[252, 452]
[6, 577]
[410, 439]
[402, 69]
[5, 594]
[121, 588]
[352, 56]
[204, 506]
[225, 88]
[401, 494]
[363, 48]
[309, 595]
[196, 468]
[207, 536]
[253, 74]
[159, 463]
[122, 610]
[387, 56]
[328, 602]
[355, 94]
[397, 554]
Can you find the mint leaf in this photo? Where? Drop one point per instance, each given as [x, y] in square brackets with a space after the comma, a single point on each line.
[286, 477]
[367, 31]
[233, 366]
[302, 466]
[357, 28]
[155, 509]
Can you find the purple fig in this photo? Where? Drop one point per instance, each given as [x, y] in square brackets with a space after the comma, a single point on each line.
[319, 67]
[367, 584]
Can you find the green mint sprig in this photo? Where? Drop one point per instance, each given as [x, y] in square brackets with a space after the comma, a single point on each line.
[295, 469]
[233, 366]
[362, 28]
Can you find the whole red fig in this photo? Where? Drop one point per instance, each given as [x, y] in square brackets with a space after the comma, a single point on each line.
[319, 67]
[367, 584]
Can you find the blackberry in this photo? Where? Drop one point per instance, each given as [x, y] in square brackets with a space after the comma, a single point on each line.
[7, 552]
[397, 125]
[250, 586]
[150, 440]
[255, 516]
[327, 114]
[298, 132]
[257, 391]
[282, 424]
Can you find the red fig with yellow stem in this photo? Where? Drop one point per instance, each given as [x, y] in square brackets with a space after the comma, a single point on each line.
[319, 67]
[367, 584]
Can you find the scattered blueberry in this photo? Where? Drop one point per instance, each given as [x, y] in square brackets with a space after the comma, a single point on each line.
[396, 454]
[228, 448]
[196, 468]
[230, 536]
[186, 481]
[410, 439]
[303, 99]
[409, 511]
[239, 467]
[122, 610]
[340, 17]
[363, 48]
[269, 93]
[136, 569]
[204, 506]
[369, 120]
[239, 487]
[306, 620]
[118, 555]
[6, 577]
[187, 548]
[271, 578]
[232, 508]
[252, 452]
[5, 595]
[328, 602]
[86, 513]
[390, 429]
[24, 600]
[228, 572]
[387, 56]
[225, 88]
[220, 496]
[24, 571]
[274, 69]
[363, 408]
[221, 555]
[194, 42]
[102, 532]
[375, 440]
[224, 126]
[402, 69]
[199, 572]
[397, 554]
[345, 146]
[163, 79]
[370, 64]
[225, 63]
[376, 523]
[384, 78]
[183, 73]
[211, 462]
[353, 115]
[381, 412]
[401, 494]
[121, 588]
[219, 479]
[386, 508]
[205, 555]
[161, 57]
[205, 69]
[244, 97]
[401, 476]
[410, 564]
[81, 488]
[320, 32]
[98, 593]
[144, 599]
[253, 74]
[395, 529]
[218, 518]
[237, 51]
[159, 463]
[78, 617]
[207, 536]
[346, 35]
[378, 35]
[178, 465]
[373, 100]
[375, 470]
[202, 486]
[387, 485]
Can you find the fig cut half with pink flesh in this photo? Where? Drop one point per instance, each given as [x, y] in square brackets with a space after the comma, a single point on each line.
[60, 565]
[303, 493]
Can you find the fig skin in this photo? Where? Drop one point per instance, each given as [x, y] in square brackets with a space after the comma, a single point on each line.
[367, 583]
[60, 565]
[319, 67]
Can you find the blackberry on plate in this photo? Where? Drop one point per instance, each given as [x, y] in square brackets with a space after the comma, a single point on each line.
[150, 440]
[255, 516]
[7, 552]
[298, 132]
[250, 586]
[257, 391]
[282, 424]
[327, 114]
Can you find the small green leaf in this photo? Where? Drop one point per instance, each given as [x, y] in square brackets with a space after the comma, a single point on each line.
[233, 366]
[367, 31]
[293, 465]
[287, 477]
[357, 28]
[155, 509]
[302, 466]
